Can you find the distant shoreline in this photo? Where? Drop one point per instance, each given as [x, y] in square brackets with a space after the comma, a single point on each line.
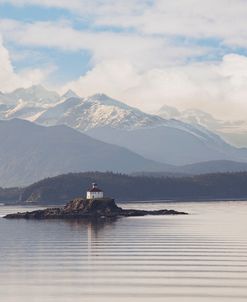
[187, 200]
[58, 190]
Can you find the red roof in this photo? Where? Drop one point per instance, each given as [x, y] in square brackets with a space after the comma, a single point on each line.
[95, 190]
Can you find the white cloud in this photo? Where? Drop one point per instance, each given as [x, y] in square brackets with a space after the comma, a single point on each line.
[112, 77]
[144, 71]
[82, 7]
[10, 79]
[219, 88]
[71, 5]
[222, 19]
[141, 51]
[147, 66]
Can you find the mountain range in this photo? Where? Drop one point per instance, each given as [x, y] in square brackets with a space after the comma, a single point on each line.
[30, 103]
[234, 132]
[151, 136]
[27, 103]
[140, 142]
[29, 152]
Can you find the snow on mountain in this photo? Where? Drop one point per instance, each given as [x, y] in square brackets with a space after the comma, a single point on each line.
[191, 116]
[97, 111]
[27, 103]
[24, 111]
[3, 109]
[197, 130]
[37, 95]
[154, 137]
[234, 132]
[198, 117]
[46, 107]
[100, 111]
[173, 136]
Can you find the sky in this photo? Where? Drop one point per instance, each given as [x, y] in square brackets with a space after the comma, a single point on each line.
[147, 53]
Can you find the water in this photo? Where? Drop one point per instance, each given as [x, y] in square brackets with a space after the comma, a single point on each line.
[200, 257]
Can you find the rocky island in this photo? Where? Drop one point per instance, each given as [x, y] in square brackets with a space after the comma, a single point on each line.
[93, 207]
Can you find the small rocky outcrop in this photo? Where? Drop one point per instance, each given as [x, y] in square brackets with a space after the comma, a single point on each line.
[83, 208]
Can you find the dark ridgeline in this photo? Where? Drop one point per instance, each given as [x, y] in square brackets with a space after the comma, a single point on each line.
[62, 188]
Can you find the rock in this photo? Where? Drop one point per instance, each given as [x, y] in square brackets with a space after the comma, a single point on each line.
[83, 208]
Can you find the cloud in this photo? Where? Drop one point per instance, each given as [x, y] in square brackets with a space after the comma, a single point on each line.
[10, 79]
[142, 51]
[219, 87]
[144, 71]
[221, 19]
[82, 7]
[73, 5]
[148, 53]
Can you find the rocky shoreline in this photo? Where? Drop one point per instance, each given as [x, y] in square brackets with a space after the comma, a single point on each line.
[83, 208]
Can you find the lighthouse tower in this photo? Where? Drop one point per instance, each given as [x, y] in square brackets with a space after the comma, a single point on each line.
[95, 192]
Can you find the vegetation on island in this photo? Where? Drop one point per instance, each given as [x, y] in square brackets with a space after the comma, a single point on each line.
[60, 189]
[78, 208]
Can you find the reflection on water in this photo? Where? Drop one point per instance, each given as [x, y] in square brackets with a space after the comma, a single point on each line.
[200, 257]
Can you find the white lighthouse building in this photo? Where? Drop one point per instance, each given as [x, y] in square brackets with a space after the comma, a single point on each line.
[95, 192]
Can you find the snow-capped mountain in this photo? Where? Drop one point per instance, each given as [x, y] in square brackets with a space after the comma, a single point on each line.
[98, 111]
[101, 111]
[191, 116]
[23, 111]
[154, 137]
[235, 132]
[175, 137]
[199, 117]
[35, 95]
[28, 103]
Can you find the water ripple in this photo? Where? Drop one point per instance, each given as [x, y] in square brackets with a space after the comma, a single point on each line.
[200, 257]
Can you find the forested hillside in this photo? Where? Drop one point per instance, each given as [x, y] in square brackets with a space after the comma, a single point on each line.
[123, 187]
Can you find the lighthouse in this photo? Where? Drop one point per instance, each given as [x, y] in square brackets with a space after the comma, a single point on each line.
[95, 192]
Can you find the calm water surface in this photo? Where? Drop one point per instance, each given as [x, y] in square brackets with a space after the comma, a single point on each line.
[200, 257]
